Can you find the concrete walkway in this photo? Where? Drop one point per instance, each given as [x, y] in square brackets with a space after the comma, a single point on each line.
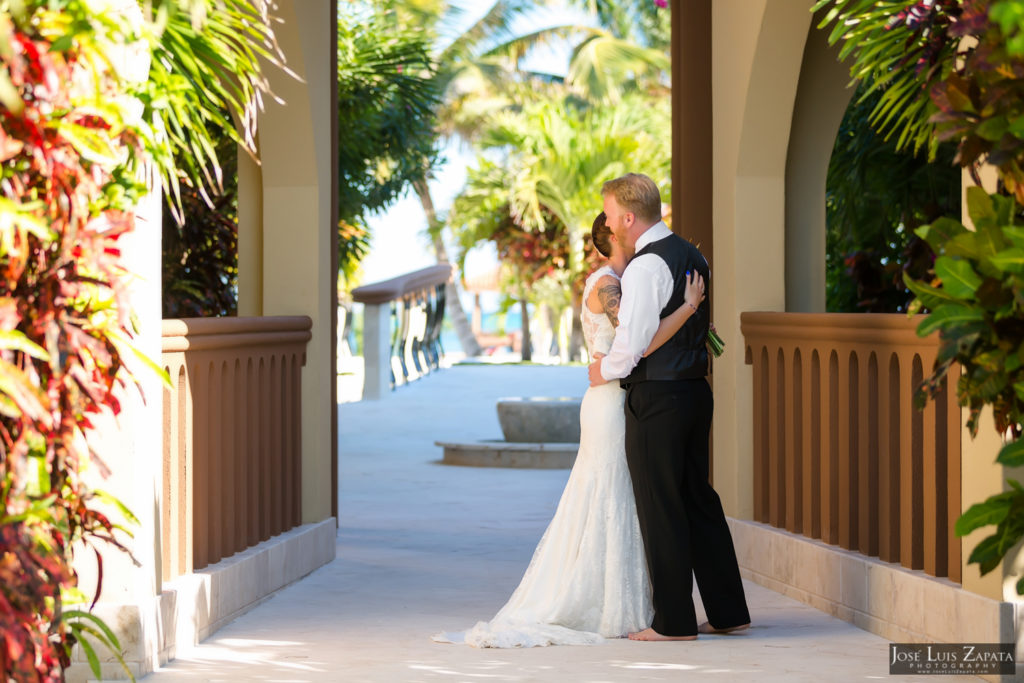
[425, 547]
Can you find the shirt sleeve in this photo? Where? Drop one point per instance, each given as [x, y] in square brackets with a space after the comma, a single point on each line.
[646, 288]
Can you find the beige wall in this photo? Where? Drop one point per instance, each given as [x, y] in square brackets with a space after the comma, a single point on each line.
[285, 225]
[757, 48]
[778, 97]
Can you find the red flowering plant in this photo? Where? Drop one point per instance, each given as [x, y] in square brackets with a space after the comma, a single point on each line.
[68, 141]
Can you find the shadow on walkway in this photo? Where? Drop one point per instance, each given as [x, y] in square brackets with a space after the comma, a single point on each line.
[424, 547]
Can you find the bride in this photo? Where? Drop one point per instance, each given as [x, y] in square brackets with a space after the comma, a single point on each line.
[588, 576]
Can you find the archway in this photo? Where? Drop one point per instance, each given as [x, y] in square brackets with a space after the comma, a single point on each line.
[778, 98]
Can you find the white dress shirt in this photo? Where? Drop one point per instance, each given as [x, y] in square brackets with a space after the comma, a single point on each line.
[647, 286]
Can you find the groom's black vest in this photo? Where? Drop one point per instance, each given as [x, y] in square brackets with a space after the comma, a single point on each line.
[685, 355]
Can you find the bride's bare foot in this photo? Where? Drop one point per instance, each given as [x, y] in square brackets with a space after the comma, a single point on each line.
[708, 628]
[651, 634]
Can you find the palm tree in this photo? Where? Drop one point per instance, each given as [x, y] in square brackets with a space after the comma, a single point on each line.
[479, 73]
[455, 66]
[557, 153]
[387, 97]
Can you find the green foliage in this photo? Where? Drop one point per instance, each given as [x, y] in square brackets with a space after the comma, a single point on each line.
[1009, 15]
[205, 81]
[981, 103]
[556, 155]
[954, 71]
[977, 305]
[628, 54]
[205, 87]
[75, 136]
[387, 98]
[876, 196]
[538, 202]
[66, 132]
[386, 101]
[902, 49]
[199, 272]
[1006, 511]
[641, 23]
[605, 67]
[353, 246]
[933, 89]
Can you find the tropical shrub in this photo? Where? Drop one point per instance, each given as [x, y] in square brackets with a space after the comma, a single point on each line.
[977, 304]
[76, 137]
[387, 96]
[876, 196]
[199, 273]
[65, 134]
[959, 80]
[555, 154]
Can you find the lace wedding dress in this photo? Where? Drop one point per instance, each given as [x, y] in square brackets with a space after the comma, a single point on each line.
[588, 576]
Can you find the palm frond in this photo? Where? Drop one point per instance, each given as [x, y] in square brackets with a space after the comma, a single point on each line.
[902, 52]
[603, 66]
[494, 26]
[206, 79]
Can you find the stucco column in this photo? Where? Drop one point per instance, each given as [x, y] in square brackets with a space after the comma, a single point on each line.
[287, 226]
[129, 444]
[757, 50]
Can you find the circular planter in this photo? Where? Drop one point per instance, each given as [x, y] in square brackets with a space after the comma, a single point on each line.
[540, 419]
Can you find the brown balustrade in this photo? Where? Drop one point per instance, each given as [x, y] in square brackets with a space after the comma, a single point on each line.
[840, 452]
[232, 444]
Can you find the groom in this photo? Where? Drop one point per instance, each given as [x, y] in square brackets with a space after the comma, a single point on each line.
[668, 420]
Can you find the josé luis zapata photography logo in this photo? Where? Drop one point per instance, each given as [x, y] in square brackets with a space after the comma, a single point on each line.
[952, 658]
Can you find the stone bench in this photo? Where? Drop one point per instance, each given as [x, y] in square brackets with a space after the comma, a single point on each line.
[540, 419]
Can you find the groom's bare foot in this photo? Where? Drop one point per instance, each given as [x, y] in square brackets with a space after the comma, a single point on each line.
[706, 627]
[652, 635]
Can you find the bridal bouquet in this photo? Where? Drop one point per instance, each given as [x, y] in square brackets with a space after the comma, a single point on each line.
[715, 343]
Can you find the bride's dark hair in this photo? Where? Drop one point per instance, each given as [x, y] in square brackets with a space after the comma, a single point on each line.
[601, 235]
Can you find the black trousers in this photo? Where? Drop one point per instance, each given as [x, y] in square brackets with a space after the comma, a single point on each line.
[684, 529]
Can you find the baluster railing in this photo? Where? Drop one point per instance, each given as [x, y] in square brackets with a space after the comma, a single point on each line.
[401, 328]
[232, 446]
[840, 452]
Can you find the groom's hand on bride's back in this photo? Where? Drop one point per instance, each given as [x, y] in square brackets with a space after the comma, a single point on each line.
[594, 371]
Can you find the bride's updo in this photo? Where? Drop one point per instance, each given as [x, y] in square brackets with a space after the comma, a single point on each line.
[601, 235]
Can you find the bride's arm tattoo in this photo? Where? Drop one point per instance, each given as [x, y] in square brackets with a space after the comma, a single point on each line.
[609, 295]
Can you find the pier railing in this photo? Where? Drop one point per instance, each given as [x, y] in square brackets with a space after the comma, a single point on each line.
[402, 328]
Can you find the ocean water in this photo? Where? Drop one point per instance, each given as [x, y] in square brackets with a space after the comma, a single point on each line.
[489, 322]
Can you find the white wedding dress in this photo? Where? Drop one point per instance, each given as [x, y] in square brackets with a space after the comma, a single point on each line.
[588, 576]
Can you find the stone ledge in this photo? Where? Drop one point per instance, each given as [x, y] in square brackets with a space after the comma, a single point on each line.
[886, 599]
[192, 607]
[548, 456]
[540, 419]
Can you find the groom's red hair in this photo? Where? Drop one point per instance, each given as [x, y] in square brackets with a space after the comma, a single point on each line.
[637, 194]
